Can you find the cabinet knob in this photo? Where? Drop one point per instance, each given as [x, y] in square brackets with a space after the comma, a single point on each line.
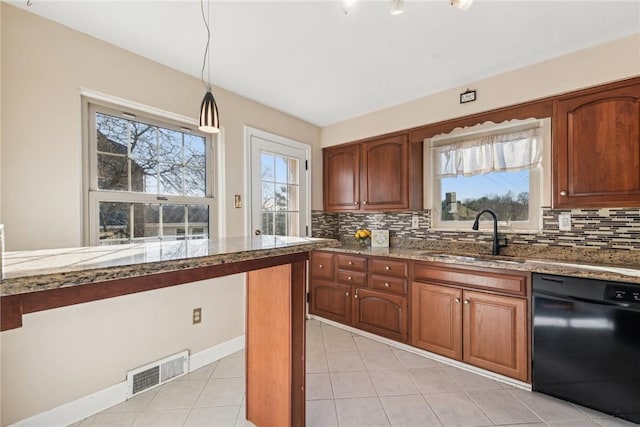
[346, 293]
[355, 203]
[386, 284]
[320, 266]
[466, 301]
[457, 300]
[386, 267]
[355, 296]
[364, 203]
[563, 193]
[350, 262]
[349, 278]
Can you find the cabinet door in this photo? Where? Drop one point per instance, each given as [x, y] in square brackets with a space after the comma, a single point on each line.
[381, 314]
[322, 265]
[385, 174]
[341, 168]
[597, 149]
[495, 333]
[436, 319]
[331, 301]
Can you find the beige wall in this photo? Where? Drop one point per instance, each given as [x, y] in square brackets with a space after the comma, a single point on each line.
[44, 65]
[62, 355]
[604, 63]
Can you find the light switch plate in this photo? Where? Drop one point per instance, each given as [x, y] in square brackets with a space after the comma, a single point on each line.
[415, 221]
[564, 222]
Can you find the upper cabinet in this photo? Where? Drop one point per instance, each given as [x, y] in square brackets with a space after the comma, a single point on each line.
[597, 148]
[377, 175]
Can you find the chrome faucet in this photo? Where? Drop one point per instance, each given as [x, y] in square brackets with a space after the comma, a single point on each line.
[495, 250]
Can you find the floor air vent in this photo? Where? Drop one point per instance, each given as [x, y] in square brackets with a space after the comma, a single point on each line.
[157, 373]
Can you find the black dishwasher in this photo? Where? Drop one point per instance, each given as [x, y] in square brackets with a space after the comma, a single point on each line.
[586, 343]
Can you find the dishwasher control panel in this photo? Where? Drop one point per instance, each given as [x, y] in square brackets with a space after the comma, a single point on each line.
[622, 293]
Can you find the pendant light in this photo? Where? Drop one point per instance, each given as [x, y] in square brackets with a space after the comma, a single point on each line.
[461, 4]
[209, 121]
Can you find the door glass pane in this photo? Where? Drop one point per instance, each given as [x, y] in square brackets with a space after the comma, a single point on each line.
[280, 194]
[282, 197]
[114, 222]
[267, 223]
[267, 160]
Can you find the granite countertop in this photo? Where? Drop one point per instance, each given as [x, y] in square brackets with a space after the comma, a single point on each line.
[564, 262]
[39, 270]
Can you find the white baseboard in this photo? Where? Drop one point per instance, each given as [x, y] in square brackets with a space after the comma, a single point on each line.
[86, 406]
[437, 357]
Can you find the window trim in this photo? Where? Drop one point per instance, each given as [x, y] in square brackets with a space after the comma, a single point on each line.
[93, 196]
[539, 177]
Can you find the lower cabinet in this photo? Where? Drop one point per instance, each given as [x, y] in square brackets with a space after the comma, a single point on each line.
[482, 329]
[380, 313]
[368, 293]
[331, 301]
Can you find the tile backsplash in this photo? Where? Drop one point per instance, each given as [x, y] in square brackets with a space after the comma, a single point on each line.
[612, 228]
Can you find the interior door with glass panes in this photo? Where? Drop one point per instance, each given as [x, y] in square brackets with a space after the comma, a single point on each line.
[278, 188]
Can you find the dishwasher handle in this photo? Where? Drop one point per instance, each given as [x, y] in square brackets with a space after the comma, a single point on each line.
[616, 304]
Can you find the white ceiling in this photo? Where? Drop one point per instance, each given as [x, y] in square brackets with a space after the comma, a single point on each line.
[314, 62]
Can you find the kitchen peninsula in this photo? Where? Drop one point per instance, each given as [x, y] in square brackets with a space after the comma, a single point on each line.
[275, 293]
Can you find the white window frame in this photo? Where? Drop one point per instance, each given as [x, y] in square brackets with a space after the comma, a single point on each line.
[129, 110]
[539, 177]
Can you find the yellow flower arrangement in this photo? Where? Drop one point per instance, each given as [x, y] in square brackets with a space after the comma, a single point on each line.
[362, 236]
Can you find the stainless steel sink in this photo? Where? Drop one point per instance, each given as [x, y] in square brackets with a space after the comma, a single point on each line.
[472, 258]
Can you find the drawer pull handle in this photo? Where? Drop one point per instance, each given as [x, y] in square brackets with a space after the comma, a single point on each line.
[457, 300]
[386, 284]
[350, 262]
[466, 301]
[386, 267]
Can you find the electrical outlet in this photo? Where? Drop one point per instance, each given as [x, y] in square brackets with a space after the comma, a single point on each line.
[564, 222]
[197, 315]
[415, 221]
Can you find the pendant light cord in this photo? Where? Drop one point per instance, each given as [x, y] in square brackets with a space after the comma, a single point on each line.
[206, 50]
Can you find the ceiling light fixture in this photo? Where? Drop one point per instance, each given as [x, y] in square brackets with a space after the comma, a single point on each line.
[397, 7]
[461, 4]
[209, 121]
[346, 5]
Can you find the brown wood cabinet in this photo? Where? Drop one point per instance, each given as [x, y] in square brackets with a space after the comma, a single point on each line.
[480, 328]
[597, 148]
[377, 175]
[369, 293]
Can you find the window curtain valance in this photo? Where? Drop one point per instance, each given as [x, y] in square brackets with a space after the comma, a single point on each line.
[509, 151]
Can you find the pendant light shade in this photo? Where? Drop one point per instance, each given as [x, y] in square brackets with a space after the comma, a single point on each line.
[209, 121]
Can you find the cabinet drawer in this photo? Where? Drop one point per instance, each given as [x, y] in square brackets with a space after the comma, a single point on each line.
[387, 266]
[350, 262]
[388, 283]
[352, 277]
[511, 283]
[321, 265]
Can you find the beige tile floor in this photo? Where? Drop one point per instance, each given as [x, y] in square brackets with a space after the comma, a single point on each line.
[353, 381]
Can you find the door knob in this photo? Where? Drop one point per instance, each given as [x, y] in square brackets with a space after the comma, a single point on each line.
[258, 232]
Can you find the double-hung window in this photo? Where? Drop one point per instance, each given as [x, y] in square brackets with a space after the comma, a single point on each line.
[150, 178]
[498, 169]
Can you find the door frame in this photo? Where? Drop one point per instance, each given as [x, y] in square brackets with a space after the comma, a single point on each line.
[250, 132]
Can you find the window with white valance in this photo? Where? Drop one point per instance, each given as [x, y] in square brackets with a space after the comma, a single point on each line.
[511, 151]
[495, 168]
